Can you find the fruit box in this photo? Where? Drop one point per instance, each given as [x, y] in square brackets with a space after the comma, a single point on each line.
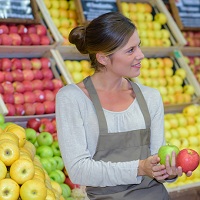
[52, 33]
[55, 68]
[158, 6]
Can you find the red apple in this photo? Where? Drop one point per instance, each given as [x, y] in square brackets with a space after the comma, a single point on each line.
[29, 109]
[55, 91]
[8, 87]
[18, 75]
[4, 29]
[39, 96]
[55, 136]
[44, 120]
[8, 76]
[53, 121]
[38, 74]
[16, 63]
[47, 73]
[44, 40]
[16, 39]
[18, 87]
[34, 123]
[1, 90]
[188, 159]
[57, 83]
[28, 74]
[19, 109]
[49, 107]
[11, 109]
[41, 29]
[6, 39]
[22, 29]
[1, 77]
[36, 63]
[39, 108]
[31, 29]
[47, 127]
[5, 64]
[48, 84]
[26, 63]
[29, 97]
[71, 185]
[49, 95]
[13, 29]
[18, 98]
[37, 84]
[35, 38]
[26, 40]
[46, 63]
[8, 98]
[28, 85]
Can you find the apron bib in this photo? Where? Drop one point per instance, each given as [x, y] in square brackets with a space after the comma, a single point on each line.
[122, 147]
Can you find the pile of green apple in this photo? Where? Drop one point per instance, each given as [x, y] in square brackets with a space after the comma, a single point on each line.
[160, 73]
[149, 26]
[183, 130]
[22, 173]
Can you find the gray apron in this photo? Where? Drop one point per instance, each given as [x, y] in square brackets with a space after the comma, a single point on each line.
[122, 147]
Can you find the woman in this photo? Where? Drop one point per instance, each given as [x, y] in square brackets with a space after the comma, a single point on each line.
[110, 129]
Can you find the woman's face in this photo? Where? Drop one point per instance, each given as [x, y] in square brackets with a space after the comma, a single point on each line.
[126, 61]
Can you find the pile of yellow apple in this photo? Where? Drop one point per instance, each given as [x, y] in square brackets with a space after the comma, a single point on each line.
[161, 74]
[64, 16]
[183, 130]
[79, 69]
[22, 175]
[149, 26]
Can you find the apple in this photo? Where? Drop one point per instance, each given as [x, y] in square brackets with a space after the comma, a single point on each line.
[38, 74]
[35, 39]
[49, 107]
[26, 63]
[39, 108]
[5, 64]
[16, 39]
[47, 127]
[8, 87]
[1, 77]
[56, 149]
[57, 83]
[46, 164]
[60, 162]
[18, 87]
[66, 190]
[17, 75]
[47, 73]
[19, 98]
[29, 97]
[16, 63]
[45, 40]
[161, 18]
[22, 170]
[70, 184]
[4, 29]
[167, 150]
[44, 138]
[19, 110]
[3, 170]
[188, 159]
[36, 63]
[48, 84]
[37, 84]
[22, 29]
[41, 29]
[9, 151]
[46, 63]
[56, 176]
[49, 95]
[11, 109]
[31, 29]
[8, 76]
[9, 189]
[26, 40]
[39, 96]
[28, 74]
[53, 163]
[44, 151]
[56, 186]
[27, 85]
[6, 40]
[31, 134]
[33, 123]
[29, 109]
[8, 98]
[33, 189]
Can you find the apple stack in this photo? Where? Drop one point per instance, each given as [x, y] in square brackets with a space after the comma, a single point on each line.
[161, 74]
[23, 35]
[22, 174]
[79, 69]
[63, 14]
[194, 64]
[183, 130]
[192, 38]
[149, 26]
[28, 86]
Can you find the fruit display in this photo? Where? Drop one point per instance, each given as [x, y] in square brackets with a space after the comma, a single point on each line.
[192, 38]
[28, 85]
[194, 64]
[183, 130]
[149, 24]
[64, 16]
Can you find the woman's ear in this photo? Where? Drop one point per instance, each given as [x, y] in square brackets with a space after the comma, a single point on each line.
[102, 58]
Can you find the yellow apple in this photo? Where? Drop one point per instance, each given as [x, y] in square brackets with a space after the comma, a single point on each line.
[168, 135]
[39, 171]
[148, 17]
[124, 7]
[181, 72]
[132, 7]
[174, 133]
[184, 143]
[193, 141]
[156, 25]
[9, 189]
[148, 7]
[56, 21]
[177, 80]
[189, 89]
[31, 148]
[190, 120]
[54, 12]
[168, 62]
[175, 142]
[63, 13]
[192, 130]
[190, 110]
[10, 136]
[3, 170]
[77, 76]
[162, 81]
[50, 195]
[9, 151]
[33, 189]
[182, 121]
[64, 4]
[140, 7]
[183, 132]
[178, 89]
[166, 42]
[55, 4]
[56, 186]
[161, 18]
[140, 17]
[169, 72]
[173, 122]
[187, 98]
[64, 22]
[77, 66]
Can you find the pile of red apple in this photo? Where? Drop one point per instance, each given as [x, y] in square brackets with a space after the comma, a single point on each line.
[28, 86]
[20, 34]
[192, 38]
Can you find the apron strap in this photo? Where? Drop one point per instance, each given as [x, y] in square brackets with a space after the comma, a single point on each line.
[103, 128]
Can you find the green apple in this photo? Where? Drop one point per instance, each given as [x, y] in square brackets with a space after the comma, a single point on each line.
[59, 161]
[2, 119]
[44, 138]
[167, 150]
[62, 175]
[53, 163]
[46, 164]
[66, 190]
[56, 149]
[44, 151]
[56, 176]
[31, 134]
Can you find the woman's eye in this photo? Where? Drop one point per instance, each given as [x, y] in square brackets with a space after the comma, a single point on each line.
[131, 50]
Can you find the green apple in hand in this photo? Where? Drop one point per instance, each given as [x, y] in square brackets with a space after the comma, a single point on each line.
[31, 135]
[44, 138]
[167, 150]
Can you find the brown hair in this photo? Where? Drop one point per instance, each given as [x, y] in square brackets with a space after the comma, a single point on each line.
[106, 33]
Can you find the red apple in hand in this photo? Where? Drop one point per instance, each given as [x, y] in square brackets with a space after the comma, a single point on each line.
[188, 159]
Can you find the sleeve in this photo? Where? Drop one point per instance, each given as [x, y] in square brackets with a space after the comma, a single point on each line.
[82, 169]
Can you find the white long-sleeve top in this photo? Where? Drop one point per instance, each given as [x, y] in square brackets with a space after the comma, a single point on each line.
[77, 129]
